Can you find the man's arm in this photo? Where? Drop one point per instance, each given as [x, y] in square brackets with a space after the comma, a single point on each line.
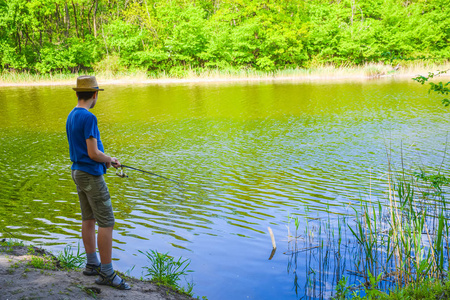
[98, 155]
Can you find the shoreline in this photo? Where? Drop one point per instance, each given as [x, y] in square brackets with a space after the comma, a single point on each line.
[325, 74]
[18, 273]
[121, 81]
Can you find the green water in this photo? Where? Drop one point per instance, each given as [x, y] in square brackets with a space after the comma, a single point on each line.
[249, 155]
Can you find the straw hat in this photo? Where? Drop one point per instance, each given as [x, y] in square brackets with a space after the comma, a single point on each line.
[87, 84]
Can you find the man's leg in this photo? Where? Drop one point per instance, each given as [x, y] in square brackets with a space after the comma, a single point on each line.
[81, 180]
[88, 235]
[105, 244]
[104, 241]
[102, 209]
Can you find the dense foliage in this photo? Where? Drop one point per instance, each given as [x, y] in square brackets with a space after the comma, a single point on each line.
[68, 36]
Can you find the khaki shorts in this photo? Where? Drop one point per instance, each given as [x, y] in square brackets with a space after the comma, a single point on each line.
[95, 201]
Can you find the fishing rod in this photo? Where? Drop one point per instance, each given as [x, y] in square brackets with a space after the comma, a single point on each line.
[122, 174]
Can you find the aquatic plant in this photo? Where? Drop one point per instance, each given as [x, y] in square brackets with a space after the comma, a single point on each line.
[404, 244]
[165, 270]
[400, 243]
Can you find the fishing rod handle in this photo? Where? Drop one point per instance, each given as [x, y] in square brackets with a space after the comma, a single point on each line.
[115, 164]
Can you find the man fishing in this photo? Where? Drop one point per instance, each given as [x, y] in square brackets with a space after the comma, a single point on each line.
[89, 165]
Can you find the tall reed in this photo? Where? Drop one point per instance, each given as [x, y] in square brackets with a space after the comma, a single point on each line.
[392, 243]
[405, 245]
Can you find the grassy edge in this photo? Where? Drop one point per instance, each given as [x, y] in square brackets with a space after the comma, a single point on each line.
[326, 72]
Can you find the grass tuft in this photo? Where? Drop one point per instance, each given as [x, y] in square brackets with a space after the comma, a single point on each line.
[68, 260]
[167, 271]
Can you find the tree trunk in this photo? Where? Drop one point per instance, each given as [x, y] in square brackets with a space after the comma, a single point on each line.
[18, 40]
[75, 16]
[58, 22]
[57, 16]
[216, 5]
[89, 17]
[67, 19]
[81, 21]
[104, 40]
[95, 16]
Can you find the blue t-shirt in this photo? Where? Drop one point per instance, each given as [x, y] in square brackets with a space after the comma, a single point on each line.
[80, 126]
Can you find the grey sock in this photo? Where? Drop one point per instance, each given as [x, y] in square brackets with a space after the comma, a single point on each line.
[92, 258]
[108, 270]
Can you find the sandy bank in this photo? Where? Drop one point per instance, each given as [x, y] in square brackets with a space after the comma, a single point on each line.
[20, 280]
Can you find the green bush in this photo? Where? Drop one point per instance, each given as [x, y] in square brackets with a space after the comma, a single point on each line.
[48, 36]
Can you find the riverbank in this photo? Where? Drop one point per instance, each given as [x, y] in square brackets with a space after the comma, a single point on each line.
[20, 278]
[328, 73]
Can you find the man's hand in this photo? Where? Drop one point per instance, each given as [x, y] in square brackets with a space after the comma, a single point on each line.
[114, 162]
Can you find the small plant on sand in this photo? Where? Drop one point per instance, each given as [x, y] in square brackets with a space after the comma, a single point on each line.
[69, 260]
[165, 270]
[128, 272]
[31, 250]
[9, 244]
[91, 291]
[44, 262]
